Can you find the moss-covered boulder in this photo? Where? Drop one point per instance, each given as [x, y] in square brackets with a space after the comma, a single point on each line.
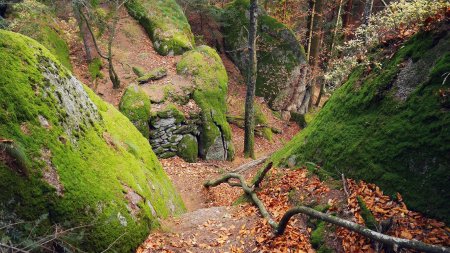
[188, 148]
[205, 67]
[165, 23]
[280, 55]
[135, 104]
[154, 74]
[36, 20]
[389, 126]
[72, 160]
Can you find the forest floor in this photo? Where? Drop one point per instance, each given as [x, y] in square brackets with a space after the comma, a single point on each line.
[212, 223]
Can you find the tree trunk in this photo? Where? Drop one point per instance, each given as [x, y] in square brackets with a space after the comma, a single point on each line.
[112, 72]
[368, 5]
[316, 41]
[346, 17]
[251, 82]
[88, 40]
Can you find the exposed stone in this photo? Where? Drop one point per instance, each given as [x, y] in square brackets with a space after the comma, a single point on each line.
[164, 122]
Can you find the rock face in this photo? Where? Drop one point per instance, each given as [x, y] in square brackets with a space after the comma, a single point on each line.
[390, 126]
[72, 159]
[165, 23]
[206, 70]
[135, 104]
[281, 59]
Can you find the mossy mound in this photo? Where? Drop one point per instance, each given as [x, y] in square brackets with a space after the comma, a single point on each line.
[188, 148]
[205, 67]
[166, 24]
[154, 74]
[279, 54]
[86, 164]
[389, 127]
[36, 20]
[135, 104]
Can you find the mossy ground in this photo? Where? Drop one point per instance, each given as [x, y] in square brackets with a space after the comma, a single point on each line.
[211, 80]
[278, 50]
[365, 132]
[166, 24]
[135, 105]
[94, 68]
[93, 170]
[36, 20]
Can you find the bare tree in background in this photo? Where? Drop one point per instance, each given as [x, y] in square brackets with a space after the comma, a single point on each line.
[84, 10]
[249, 140]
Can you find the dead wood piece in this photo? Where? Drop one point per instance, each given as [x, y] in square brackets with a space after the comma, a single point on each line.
[251, 164]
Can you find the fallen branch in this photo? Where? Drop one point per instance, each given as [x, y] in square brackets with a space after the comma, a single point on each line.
[385, 239]
[239, 122]
[261, 176]
[279, 228]
[344, 183]
[251, 164]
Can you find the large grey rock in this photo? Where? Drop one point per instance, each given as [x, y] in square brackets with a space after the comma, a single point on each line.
[282, 62]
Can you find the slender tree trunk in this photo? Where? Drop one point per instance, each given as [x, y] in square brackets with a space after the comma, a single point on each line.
[112, 72]
[251, 82]
[316, 41]
[346, 17]
[336, 26]
[88, 41]
[368, 5]
[310, 27]
[333, 41]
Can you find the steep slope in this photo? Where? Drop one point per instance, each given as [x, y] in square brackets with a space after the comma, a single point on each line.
[67, 155]
[36, 20]
[389, 126]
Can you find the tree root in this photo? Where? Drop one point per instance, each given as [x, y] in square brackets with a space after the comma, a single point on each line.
[279, 228]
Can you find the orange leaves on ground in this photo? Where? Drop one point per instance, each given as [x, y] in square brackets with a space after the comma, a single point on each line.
[407, 224]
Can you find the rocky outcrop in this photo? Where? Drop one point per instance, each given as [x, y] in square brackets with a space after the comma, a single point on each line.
[204, 66]
[71, 159]
[135, 105]
[165, 23]
[389, 126]
[282, 66]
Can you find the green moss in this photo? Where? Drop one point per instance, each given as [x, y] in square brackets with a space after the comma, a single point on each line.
[37, 21]
[171, 111]
[205, 67]
[94, 68]
[135, 104]
[279, 52]
[366, 132]
[367, 215]
[154, 74]
[166, 24]
[92, 169]
[188, 148]
[138, 71]
[318, 234]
